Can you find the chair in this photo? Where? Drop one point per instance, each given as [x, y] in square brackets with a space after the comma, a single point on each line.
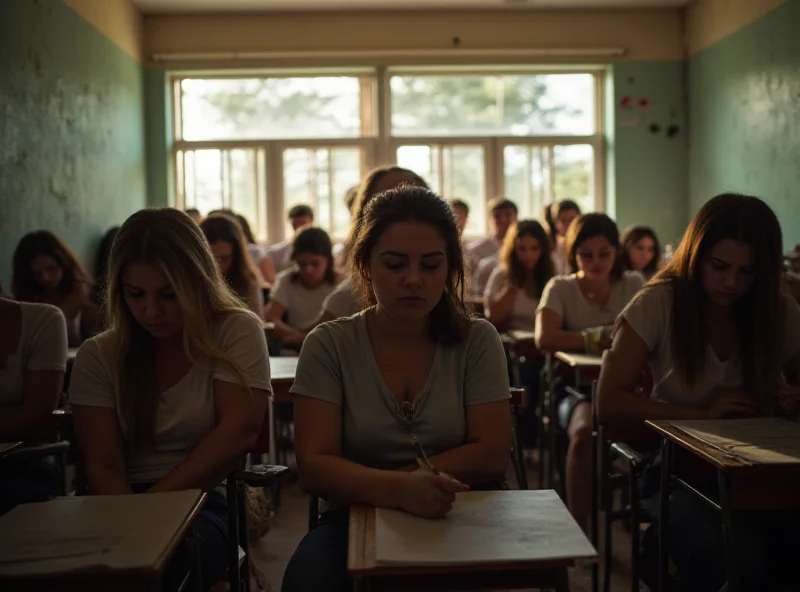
[516, 403]
[256, 476]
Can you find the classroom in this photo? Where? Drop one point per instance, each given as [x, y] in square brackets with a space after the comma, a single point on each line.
[383, 295]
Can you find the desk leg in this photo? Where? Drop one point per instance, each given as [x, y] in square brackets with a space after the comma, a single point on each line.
[663, 517]
[734, 580]
[359, 585]
[273, 454]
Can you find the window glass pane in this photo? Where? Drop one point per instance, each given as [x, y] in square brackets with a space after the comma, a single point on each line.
[270, 108]
[202, 180]
[482, 105]
[539, 175]
[320, 178]
[453, 171]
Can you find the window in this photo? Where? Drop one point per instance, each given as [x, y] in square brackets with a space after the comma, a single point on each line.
[259, 144]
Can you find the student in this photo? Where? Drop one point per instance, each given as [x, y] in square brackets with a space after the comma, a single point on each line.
[195, 215]
[343, 302]
[461, 210]
[414, 364]
[172, 396]
[576, 313]
[228, 246]
[514, 288]
[339, 249]
[299, 293]
[101, 267]
[281, 253]
[562, 214]
[33, 357]
[258, 253]
[502, 214]
[46, 270]
[717, 331]
[640, 251]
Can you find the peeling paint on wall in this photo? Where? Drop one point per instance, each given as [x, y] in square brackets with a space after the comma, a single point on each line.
[72, 125]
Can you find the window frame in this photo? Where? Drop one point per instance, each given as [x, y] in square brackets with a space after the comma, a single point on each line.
[377, 144]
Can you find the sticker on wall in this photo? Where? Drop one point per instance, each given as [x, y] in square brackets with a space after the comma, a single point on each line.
[628, 118]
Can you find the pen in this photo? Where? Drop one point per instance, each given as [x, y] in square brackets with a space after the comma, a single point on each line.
[422, 458]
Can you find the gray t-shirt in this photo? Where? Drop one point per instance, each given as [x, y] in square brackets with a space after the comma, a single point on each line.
[563, 296]
[342, 302]
[42, 346]
[337, 365]
[650, 315]
[522, 315]
[186, 412]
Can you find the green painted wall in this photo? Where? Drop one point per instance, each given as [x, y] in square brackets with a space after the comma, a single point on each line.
[72, 154]
[646, 176]
[158, 121]
[744, 109]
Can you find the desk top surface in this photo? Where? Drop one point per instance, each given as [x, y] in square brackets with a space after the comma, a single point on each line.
[125, 535]
[6, 447]
[579, 360]
[283, 369]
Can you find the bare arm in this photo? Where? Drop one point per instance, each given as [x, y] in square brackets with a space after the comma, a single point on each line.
[322, 470]
[267, 269]
[617, 400]
[551, 336]
[283, 331]
[498, 306]
[240, 414]
[100, 438]
[32, 417]
[485, 455]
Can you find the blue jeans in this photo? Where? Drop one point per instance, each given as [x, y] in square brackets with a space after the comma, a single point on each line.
[211, 526]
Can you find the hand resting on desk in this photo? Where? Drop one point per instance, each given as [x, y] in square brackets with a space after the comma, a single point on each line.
[428, 495]
[733, 405]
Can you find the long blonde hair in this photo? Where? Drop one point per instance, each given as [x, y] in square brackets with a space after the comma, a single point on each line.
[169, 240]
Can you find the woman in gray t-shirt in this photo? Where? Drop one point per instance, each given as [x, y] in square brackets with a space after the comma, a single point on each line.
[415, 364]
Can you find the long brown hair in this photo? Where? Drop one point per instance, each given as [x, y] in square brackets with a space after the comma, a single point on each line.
[35, 244]
[314, 241]
[170, 240]
[242, 275]
[630, 237]
[749, 220]
[517, 274]
[449, 319]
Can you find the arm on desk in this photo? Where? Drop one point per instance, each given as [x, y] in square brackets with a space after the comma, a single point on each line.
[617, 401]
[100, 437]
[285, 332]
[550, 335]
[498, 306]
[240, 414]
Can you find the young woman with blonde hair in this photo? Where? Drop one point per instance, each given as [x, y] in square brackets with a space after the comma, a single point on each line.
[173, 394]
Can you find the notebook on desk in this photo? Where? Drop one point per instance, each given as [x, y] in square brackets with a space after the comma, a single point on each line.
[483, 528]
[769, 440]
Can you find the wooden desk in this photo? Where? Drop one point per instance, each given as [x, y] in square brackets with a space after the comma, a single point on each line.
[6, 447]
[524, 342]
[742, 487]
[532, 572]
[586, 366]
[115, 542]
[282, 370]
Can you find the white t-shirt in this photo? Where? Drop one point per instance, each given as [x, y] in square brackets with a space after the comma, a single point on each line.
[42, 346]
[342, 302]
[484, 270]
[480, 249]
[281, 255]
[186, 412]
[650, 316]
[302, 305]
[563, 296]
[523, 312]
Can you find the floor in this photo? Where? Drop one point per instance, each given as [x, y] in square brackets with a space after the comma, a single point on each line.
[291, 522]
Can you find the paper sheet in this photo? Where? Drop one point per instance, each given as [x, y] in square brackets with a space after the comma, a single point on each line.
[484, 527]
[754, 441]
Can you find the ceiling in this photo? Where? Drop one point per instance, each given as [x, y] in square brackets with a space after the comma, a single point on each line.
[188, 6]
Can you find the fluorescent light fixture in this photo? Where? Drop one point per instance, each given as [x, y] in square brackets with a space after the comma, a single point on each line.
[530, 52]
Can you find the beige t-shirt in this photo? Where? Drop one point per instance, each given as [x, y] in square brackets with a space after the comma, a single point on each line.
[342, 302]
[281, 255]
[563, 296]
[186, 412]
[483, 272]
[523, 312]
[650, 315]
[480, 249]
[302, 305]
[42, 346]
